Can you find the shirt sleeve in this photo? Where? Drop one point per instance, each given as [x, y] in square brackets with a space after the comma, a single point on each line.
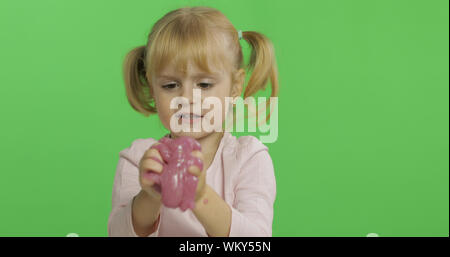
[126, 187]
[255, 191]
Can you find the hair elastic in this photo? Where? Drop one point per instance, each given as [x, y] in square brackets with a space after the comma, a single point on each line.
[240, 34]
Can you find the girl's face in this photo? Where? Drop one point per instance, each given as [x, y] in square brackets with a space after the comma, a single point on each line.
[170, 84]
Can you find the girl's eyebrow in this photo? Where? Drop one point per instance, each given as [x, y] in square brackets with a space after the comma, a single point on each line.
[165, 77]
[207, 75]
[195, 76]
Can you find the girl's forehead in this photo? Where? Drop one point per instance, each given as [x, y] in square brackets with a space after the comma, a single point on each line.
[189, 56]
[192, 70]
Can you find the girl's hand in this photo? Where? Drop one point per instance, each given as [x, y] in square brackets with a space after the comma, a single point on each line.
[201, 175]
[147, 165]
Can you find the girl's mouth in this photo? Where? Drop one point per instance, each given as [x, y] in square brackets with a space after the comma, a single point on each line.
[189, 117]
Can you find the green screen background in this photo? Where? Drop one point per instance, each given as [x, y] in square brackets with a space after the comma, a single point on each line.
[363, 112]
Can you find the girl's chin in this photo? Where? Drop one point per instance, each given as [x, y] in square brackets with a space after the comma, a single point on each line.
[195, 135]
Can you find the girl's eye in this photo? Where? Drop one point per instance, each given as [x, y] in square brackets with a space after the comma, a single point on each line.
[205, 85]
[170, 86]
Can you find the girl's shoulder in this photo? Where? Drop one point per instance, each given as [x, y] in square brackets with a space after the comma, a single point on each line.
[246, 156]
[244, 147]
[251, 143]
[136, 150]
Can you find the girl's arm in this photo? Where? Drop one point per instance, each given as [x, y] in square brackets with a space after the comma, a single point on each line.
[254, 195]
[145, 214]
[131, 211]
[213, 213]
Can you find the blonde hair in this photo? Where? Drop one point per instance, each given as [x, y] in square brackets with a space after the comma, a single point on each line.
[195, 33]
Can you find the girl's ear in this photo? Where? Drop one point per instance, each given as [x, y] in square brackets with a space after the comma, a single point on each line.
[150, 90]
[238, 84]
[150, 85]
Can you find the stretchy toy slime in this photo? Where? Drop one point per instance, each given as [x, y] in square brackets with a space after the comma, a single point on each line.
[177, 185]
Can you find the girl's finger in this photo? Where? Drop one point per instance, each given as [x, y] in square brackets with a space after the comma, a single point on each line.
[147, 181]
[151, 164]
[194, 170]
[152, 152]
[197, 154]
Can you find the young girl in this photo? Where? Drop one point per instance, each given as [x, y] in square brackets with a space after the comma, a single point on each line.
[196, 48]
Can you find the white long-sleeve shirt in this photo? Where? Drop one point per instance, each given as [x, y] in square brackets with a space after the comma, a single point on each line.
[241, 173]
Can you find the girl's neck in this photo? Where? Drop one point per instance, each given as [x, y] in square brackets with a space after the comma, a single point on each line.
[210, 143]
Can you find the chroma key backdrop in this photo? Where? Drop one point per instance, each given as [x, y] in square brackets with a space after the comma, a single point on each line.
[362, 147]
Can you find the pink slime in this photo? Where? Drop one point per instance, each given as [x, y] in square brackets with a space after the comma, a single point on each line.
[178, 186]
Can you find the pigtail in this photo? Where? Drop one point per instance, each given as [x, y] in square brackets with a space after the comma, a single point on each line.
[262, 64]
[136, 85]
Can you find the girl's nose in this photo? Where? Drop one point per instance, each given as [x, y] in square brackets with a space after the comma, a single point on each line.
[188, 93]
